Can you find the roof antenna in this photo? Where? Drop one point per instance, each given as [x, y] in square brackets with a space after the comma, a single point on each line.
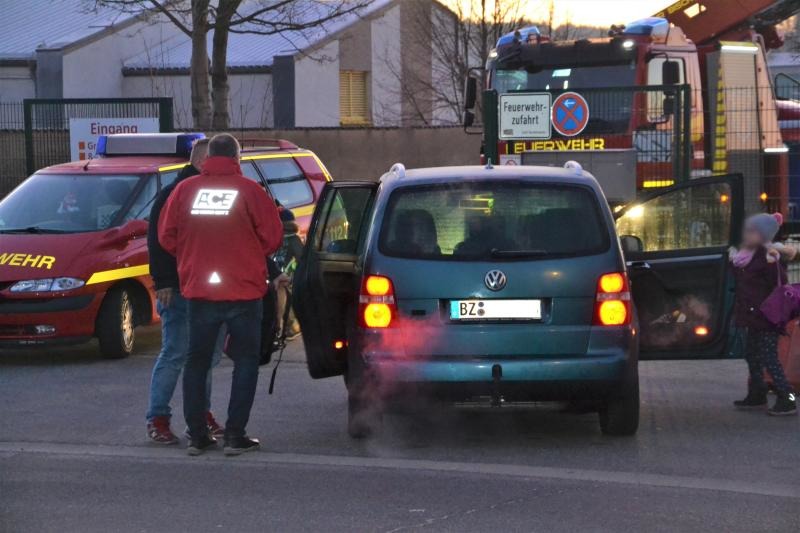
[86, 166]
[489, 165]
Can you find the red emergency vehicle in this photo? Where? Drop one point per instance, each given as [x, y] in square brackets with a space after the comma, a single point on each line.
[73, 251]
[637, 136]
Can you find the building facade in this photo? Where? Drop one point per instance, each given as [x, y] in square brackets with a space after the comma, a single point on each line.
[370, 69]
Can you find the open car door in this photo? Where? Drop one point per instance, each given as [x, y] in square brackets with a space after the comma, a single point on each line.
[676, 247]
[326, 283]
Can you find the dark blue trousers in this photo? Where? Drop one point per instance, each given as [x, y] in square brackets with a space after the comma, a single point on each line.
[244, 328]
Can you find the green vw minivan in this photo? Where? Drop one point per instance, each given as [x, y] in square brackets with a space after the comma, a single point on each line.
[508, 284]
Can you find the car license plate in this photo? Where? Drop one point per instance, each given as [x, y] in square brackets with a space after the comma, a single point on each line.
[495, 309]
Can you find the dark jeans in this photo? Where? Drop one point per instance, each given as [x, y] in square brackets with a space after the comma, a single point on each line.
[244, 327]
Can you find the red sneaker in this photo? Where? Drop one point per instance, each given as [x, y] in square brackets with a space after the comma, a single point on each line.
[214, 429]
[158, 431]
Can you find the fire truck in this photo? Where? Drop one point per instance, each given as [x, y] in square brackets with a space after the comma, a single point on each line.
[683, 94]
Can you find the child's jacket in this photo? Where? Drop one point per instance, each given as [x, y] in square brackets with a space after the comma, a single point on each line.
[754, 283]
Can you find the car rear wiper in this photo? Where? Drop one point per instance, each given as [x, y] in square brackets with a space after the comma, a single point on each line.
[517, 254]
[33, 229]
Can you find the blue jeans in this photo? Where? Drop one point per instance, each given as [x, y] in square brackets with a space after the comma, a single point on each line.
[172, 358]
[206, 318]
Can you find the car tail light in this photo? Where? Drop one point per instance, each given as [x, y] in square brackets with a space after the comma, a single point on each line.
[613, 306]
[377, 305]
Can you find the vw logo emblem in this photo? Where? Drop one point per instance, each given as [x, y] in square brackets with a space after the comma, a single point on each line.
[495, 280]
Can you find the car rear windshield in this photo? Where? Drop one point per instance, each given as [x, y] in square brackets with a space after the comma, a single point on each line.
[493, 221]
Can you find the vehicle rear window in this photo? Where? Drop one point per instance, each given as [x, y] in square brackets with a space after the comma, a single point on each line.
[286, 181]
[491, 221]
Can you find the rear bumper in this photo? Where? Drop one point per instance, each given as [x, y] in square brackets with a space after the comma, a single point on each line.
[608, 367]
[550, 379]
[610, 361]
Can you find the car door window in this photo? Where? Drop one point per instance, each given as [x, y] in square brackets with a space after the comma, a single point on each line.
[168, 177]
[346, 214]
[140, 209]
[249, 171]
[683, 219]
[286, 181]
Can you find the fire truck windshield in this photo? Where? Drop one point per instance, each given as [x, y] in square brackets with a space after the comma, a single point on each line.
[611, 110]
[47, 203]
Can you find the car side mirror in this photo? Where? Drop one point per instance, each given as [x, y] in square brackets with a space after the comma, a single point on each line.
[669, 106]
[631, 244]
[671, 72]
[469, 119]
[470, 93]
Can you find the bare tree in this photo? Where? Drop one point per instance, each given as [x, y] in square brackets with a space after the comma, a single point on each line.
[294, 19]
[458, 38]
[446, 43]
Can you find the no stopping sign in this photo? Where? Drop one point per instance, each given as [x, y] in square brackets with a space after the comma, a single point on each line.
[570, 114]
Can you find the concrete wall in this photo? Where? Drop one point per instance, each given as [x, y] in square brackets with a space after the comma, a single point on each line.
[250, 105]
[366, 154]
[316, 88]
[16, 83]
[386, 64]
[349, 154]
[94, 69]
[176, 87]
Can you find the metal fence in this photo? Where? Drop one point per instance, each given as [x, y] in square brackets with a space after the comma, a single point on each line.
[12, 146]
[47, 122]
[35, 133]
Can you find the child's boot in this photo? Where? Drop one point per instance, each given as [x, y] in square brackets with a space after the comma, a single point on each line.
[785, 405]
[756, 398]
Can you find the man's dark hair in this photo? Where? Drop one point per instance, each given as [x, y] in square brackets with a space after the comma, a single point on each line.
[225, 145]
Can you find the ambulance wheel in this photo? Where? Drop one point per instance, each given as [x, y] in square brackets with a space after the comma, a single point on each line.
[115, 324]
[620, 414]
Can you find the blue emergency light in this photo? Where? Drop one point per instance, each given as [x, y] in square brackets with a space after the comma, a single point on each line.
[524, 35]
[655, 27]
[164, 144]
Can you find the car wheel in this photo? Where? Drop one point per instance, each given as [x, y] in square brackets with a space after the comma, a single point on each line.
[620, 414]
[115, 324]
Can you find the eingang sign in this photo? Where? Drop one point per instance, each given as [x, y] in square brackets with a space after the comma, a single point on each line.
[83, 132]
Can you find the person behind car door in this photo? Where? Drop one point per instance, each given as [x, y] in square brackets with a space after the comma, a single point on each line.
[171, 306]
[757, 274]
[221, 226]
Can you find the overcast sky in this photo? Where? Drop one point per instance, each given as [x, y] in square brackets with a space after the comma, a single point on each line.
[595, 12]
[602, 12]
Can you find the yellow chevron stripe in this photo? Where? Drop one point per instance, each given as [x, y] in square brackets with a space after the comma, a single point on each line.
[304, 210]
[119, 273]
[172, 167]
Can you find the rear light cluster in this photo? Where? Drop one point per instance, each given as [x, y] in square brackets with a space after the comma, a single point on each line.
[613, 306]
[377, 307]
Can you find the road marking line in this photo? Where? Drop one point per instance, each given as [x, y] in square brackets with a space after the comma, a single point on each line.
[507, 470]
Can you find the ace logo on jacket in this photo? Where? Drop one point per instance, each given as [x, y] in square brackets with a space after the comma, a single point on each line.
[216, 202]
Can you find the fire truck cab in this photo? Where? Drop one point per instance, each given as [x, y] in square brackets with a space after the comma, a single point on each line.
[73, 251]
[680, 95]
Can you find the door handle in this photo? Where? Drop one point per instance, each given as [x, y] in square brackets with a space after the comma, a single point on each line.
[641, 265]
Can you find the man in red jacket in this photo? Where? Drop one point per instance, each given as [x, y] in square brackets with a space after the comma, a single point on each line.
[221, 227]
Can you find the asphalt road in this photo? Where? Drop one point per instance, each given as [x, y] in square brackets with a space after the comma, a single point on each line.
[74, 457]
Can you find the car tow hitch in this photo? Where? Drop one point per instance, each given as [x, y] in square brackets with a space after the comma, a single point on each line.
[497, 374]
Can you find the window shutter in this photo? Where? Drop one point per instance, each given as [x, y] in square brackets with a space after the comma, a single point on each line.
[353, 98]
